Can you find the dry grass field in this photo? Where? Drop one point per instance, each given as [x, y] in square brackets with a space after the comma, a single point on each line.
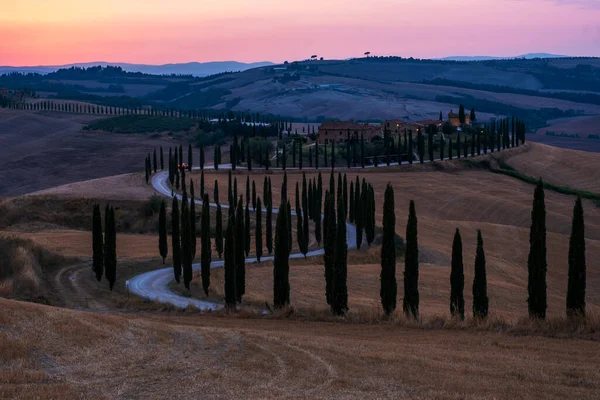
[583, 126]
[128, 349]
[41, 150]
[49, 352]
[445, 200]
[571, 168]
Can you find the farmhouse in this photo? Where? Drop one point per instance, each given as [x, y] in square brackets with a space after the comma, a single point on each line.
[341, 131]
[455, 121]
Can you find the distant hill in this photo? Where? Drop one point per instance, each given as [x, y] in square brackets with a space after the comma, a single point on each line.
[192, 68]
[527, 56]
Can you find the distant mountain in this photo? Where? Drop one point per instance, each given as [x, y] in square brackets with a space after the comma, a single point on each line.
[527, 56]
[192, 68]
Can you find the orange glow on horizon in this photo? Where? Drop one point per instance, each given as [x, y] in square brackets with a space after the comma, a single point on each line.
[57, 32]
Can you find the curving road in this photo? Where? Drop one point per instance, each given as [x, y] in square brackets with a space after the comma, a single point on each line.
[154, 285]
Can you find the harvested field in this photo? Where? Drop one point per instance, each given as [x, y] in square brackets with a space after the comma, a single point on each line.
[43, 150]
[456, 198]
[569, 168]
[582, 126]
[62, 353]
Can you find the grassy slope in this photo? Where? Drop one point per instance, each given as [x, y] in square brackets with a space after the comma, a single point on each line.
[68, 354]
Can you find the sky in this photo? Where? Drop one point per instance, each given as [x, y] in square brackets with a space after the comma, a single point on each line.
[55, 32]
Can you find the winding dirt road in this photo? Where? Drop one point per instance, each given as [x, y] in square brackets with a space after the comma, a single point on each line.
[154, 285]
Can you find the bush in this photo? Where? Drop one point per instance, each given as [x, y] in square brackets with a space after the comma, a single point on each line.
[151, 207]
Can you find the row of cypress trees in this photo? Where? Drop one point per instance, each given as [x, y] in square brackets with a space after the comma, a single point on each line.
[104, 247]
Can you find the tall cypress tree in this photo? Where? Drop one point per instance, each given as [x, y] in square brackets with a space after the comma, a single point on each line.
[247, 189]
[351, 202]
[206, 256]
[202, 158]
[536, 263]
[97, 243]
[163, 246]
[175, 239]
[410, 303]
[154, 161]
[281, 266]
[269, 227]
[258, 231]
[577, 265]
[253, 195]
[240, 246]
[219, 230]
[110, 248]
[193, 241]
[299, 229]
[230, 265]
[345, 194]
[480, 298]
[202, 191]
[247, 228]
[162, 159]
[389, 288]
[457, 278]
[190, 157]
[358, 215]
[340, 266]
[330, 228]
[186, 250]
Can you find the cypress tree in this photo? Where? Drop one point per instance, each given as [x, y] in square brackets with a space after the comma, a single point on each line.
[430, 146]
[249, 159]
[193, 241]
[299, 231]
[458, 145]
[345, 194]
[305, 226]
[247, 189]
[253, 195]
[442, 145]
[284, 188]
[230, 192]
[340, 267]
[362, 150]
[461, 114]
[359, 212]
[216, 157]
[351, 210]
[312, 201]
[258, 232]
[536, 263]
[230, 265]
[219, 231]
[411, 266]
[457, 279]
[235, 192]
[330, 227]
[205, 245]
[325, 157]
[319, 199]
[175, 239]
[110, 249]
[480, 298]
[163, 247]
[269, 227]
[147, 173]
[162, 159]
[247, 227]
[577, 265]
[97, 243]
[180, 155]
[202, 191]
[190, 157]
[154, 161]
[281, 267]
[240, 245]
[284, 157]
[289, 221]
[171, 177]
[186, 251]
[389, 287]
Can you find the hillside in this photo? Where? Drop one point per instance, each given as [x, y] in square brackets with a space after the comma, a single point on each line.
[537, 90]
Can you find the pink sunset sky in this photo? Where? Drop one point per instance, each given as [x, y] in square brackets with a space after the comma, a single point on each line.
[51, 32]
